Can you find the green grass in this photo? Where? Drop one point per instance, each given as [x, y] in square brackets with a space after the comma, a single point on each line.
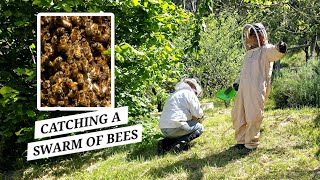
[289, 149]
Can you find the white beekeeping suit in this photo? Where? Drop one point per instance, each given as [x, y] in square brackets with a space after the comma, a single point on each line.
[181, 105]
[254, 88]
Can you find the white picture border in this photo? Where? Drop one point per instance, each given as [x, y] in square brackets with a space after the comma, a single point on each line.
[39, 63]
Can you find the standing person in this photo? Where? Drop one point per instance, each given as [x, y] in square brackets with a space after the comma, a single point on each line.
[254, 86]
[179, 121]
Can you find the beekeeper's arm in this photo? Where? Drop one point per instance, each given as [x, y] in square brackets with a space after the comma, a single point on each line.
[194, 105]
[276, 52]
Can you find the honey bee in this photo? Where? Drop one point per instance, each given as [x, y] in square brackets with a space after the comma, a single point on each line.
[46, 84]
[106, 69]
[96, 88]
[49, 92]
[77, 51]
[80, 78]
[86, 50]
[85, 44]
[96, 35]
[75, 34]
[44, 97]
[64, 66]
[90, 58]
[63, 21]
[105, 103]
[74, 69]
[61, 103]
[91, 28]
[93, 99]
[48, 49]
[104, 37]
[72, 93]
[94, 73]
[56, 78]
[79, 65]
[54, 40]
[86, 87]
[60, 30]
[72, 85]
[103, 76]
[57, 88]
[46, 20]
[104, 89]
[88, 28]
[100, 61]
[74, 101]
[76, 20]
[56, 62]
[82, 100]
[98, 46]
[45, 35]
[44, 59]
[53, 101]
[63, 45]
[85, 65]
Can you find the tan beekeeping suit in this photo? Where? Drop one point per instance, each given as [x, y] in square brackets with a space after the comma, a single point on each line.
[254, 89]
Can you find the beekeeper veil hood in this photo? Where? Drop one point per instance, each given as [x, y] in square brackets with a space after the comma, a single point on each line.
[190, 84]
[257, 28]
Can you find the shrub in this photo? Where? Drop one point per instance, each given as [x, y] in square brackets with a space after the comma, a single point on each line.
[296, 88]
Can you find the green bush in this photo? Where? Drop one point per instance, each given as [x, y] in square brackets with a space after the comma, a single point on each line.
[294, 59]
[296, 88]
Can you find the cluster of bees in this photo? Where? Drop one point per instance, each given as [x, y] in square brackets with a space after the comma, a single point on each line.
[74, 70]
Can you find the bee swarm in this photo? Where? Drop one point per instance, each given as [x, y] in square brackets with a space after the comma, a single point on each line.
[74, 70]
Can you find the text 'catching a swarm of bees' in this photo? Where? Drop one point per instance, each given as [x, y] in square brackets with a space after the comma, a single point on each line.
[75, 65]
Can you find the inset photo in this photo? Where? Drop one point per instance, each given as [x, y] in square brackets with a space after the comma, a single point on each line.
[75, 61]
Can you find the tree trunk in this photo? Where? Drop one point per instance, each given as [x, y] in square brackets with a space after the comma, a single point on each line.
[317, 49]
[306, 50]
[313, 46]
[277, 65]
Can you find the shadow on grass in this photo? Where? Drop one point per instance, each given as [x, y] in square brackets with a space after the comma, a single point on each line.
[61, 165]
[195, 165]
[143, 152]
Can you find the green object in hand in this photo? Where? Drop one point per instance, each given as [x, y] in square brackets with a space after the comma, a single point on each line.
[226, 94]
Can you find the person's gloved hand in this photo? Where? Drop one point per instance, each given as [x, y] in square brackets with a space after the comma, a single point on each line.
[235, 86]
[282, 47]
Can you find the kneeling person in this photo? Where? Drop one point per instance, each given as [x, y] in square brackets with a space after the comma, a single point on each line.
[179, 121]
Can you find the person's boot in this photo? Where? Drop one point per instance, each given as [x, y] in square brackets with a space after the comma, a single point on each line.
[181, 143]
[164, 145]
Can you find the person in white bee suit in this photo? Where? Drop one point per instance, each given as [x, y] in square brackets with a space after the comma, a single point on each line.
[253, 85]
[181, 116]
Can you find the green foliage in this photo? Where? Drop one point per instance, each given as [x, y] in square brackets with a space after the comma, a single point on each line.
[296, 59]
[296, 88]
[145, 58]
[218, 62]
[222, 52]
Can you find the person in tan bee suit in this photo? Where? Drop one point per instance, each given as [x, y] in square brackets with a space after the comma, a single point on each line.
[253, 85]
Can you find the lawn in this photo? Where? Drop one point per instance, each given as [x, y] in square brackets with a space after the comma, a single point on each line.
[290, 141]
